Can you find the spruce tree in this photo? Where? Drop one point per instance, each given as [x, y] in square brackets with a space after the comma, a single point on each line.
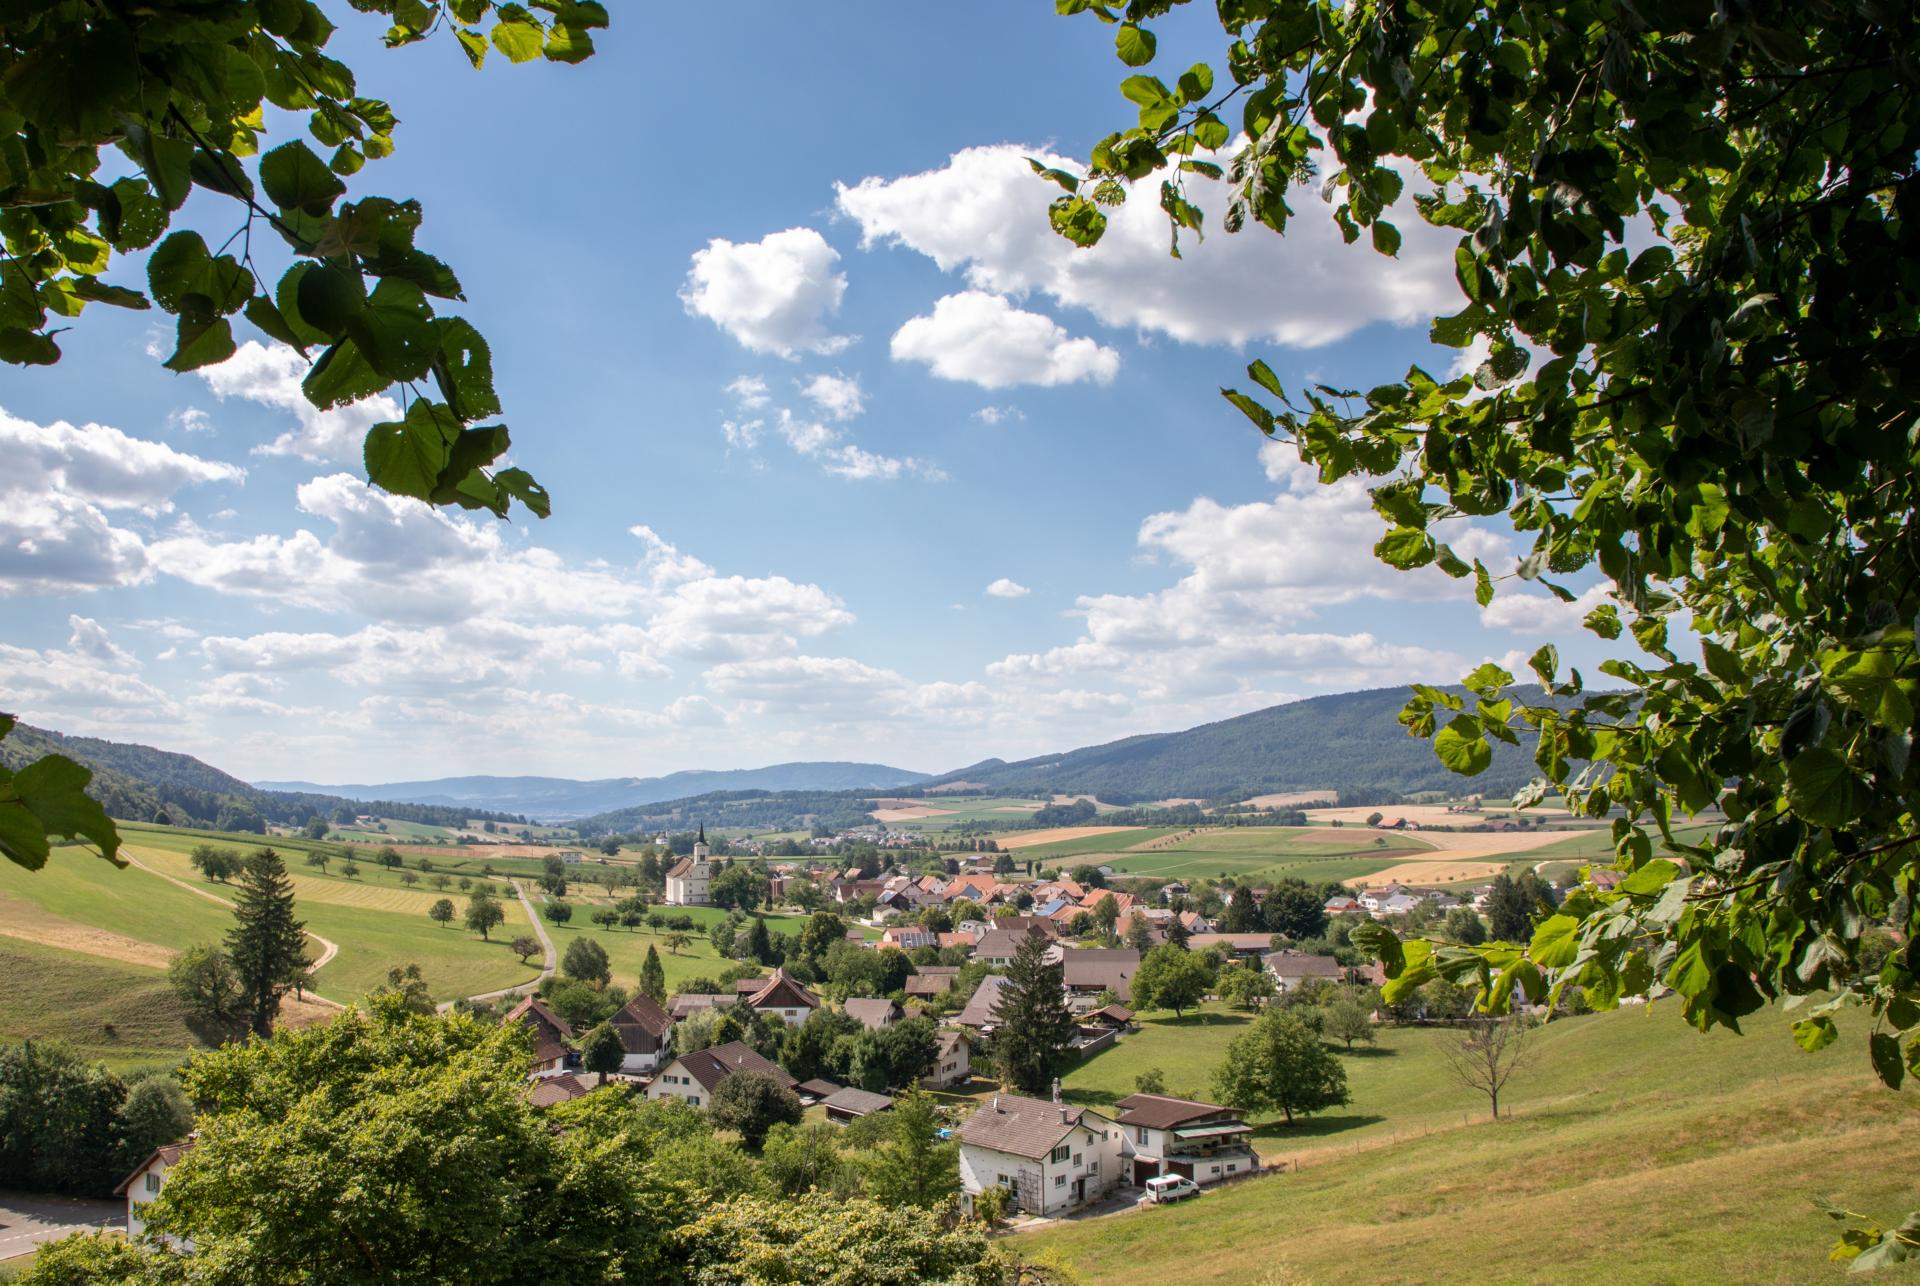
[266, 946]
[653, 977]
[759, 944]
[1034, 1029]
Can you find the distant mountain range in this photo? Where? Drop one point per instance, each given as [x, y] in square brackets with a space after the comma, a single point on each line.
[561, 799]
[1352, 742]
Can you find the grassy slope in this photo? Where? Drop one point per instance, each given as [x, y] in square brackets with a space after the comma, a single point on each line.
[122, 1014]
[626, 951]
[1269, 853]
[1640, 1150]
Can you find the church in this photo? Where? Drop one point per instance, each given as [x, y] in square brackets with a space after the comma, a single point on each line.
[689, 878]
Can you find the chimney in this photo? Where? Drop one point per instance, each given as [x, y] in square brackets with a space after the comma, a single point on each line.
[1065, 1116]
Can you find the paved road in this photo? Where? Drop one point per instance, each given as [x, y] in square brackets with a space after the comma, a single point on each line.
[328, 948]
[28, 1219]
[546, 944]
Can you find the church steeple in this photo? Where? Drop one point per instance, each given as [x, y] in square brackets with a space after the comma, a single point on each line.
[703, 834]
[700, 845]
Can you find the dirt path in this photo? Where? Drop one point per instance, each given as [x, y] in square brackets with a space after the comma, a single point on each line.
[328, 948]
[546, 944]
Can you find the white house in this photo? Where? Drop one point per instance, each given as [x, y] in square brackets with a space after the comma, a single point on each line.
[1200, 1141]
[144, 1184]
[694, 1076]
[783, 997]
[645, 1033]
[689, 881]
[1051, 1157]
[552, 1038]
[952, 1061]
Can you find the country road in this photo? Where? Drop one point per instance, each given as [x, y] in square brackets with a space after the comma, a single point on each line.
[328, 948]
[546, 944]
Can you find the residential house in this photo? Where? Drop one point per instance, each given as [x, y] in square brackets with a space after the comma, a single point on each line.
[1292, 968]
[1086, 972]
[144, 1184]
[909, 939]
[645, 1030]
[999, 947]
[549, 1090]
[1049, 1156]
[1200, 1141]
[1343, 905]
[952, 1060]
[694, 1076]
[849, 1104]
[1172, 889]
[814, 1091]
[781, 995]
[1116, 1017]
[873, 1013]
[689, 1003]
[552, 1048]
[690, 879]
[929, 981]
[981, 1012]
[1371, 899]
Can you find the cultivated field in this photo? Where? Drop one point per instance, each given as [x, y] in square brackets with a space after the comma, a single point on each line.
[948, 811]
[1020, 840]
[1262, 853]
[1700, 1170]
[1108, 844]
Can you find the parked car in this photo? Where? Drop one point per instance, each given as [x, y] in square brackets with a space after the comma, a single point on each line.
[1171, 1187]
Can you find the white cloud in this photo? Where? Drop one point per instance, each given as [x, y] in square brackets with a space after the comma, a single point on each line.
[1006, 588]
[984, 212]
[270, 375]
[982, 339]
[1539, 614]
[749, 390]
[816, 441]
[90, 685]
[191, 420]
[998, 414]
[773, 295]
[61, 484]
[837, 396]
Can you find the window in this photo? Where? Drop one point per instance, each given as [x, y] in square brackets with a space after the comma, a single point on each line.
[153, 1182]
[1059, 1180]
[1078, 1160]
[1062, 1152]
[1139, 1134]
[1232, 1168]
[694, 1099]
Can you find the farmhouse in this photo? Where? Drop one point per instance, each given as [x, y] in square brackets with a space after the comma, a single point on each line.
[695, 1076]
[1200, 1141]
[782, 996]
[690, 879]
[644, 1030]
[1049, 1156]
[144, 1184]
[552, 1052]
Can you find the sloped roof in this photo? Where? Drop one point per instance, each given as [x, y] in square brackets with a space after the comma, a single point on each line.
[783, 991]
[1024, 1127]
[644, 1013]
[1100, 969]
[871, 1012]
[166, 1154]
[680, 869]
[550, 1030]
[979, 1011]
[1298, 964]
[549, 1090]
[1163, 1112]
[856, 1102]
[692, 1002]
[711, 1066]
[819, 1087]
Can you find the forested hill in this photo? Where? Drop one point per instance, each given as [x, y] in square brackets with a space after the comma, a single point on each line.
[1352, 742]
[140, 783]
[560, 799]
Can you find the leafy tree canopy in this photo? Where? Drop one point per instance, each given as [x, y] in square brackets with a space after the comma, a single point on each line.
[1686, 244]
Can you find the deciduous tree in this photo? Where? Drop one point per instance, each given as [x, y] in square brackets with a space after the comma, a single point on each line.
[483, 914]
[1484, 1054]
[524, 945]
[203, 977]
[914, 1167]
[441, 912]
[586, 960]
[751, 1103]
[601, 1051]
[1169, 978]
[1279, 1063]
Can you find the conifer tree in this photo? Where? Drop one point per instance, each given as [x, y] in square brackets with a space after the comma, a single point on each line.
[266, 946]
[1035, 1029]
[653, 977]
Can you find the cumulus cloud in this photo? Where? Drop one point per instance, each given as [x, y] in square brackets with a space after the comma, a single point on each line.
[998, 414]
[826, 447]
[984, 214]
[982, 339]
[60, 488]
[773, 295]
[270, 375]
[1007, 588]
[749, 390]
[838, 397]
[91, 684]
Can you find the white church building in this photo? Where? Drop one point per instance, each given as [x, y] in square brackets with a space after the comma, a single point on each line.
[689, 879]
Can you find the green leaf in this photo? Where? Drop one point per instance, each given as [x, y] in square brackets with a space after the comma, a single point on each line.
[1820, 787]
[261, 312]
[407, 456]
[1405, 548]
[1135, 45]
[1382, 943]
[1814, 1034]
[1195, 83]
[1147, 91]
[47, 799]
[296, 179]
[1386, 237]
[1260, 415]
[473, 43]
[1884, 1051]
[1461, 747]
[567, 44]
[1078, 220]
[1556, 940]
[1690, 974]
[395, 331]
[519, 484]
[464, 371]
[204, 340]
[519, 41]
[178, 268]
[342, 375]
[1651, 879]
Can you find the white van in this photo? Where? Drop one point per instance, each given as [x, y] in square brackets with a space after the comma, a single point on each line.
[1171, 1187]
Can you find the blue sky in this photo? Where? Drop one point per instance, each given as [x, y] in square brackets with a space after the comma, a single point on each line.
[851, 457]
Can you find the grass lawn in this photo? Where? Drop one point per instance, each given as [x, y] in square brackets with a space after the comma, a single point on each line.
[626, 951]
[1677, 1157]
[122, 1014]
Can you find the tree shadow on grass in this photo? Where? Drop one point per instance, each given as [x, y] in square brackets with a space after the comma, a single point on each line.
[1313, 1127]
[1367, 1051]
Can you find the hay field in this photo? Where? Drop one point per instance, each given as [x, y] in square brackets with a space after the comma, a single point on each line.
[1057, 834]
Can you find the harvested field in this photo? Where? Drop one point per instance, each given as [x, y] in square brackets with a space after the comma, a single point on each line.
[1028, 839]
[957, 785]
[1173, 803]
[51, 931]
[1291, 798]
[908, 812]
[1432, 871]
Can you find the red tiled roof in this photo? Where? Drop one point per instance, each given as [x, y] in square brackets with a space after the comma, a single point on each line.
[1024, 1127]
[1162, 1112]
[783, 991]
[166, 1154]
[550, 1030]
